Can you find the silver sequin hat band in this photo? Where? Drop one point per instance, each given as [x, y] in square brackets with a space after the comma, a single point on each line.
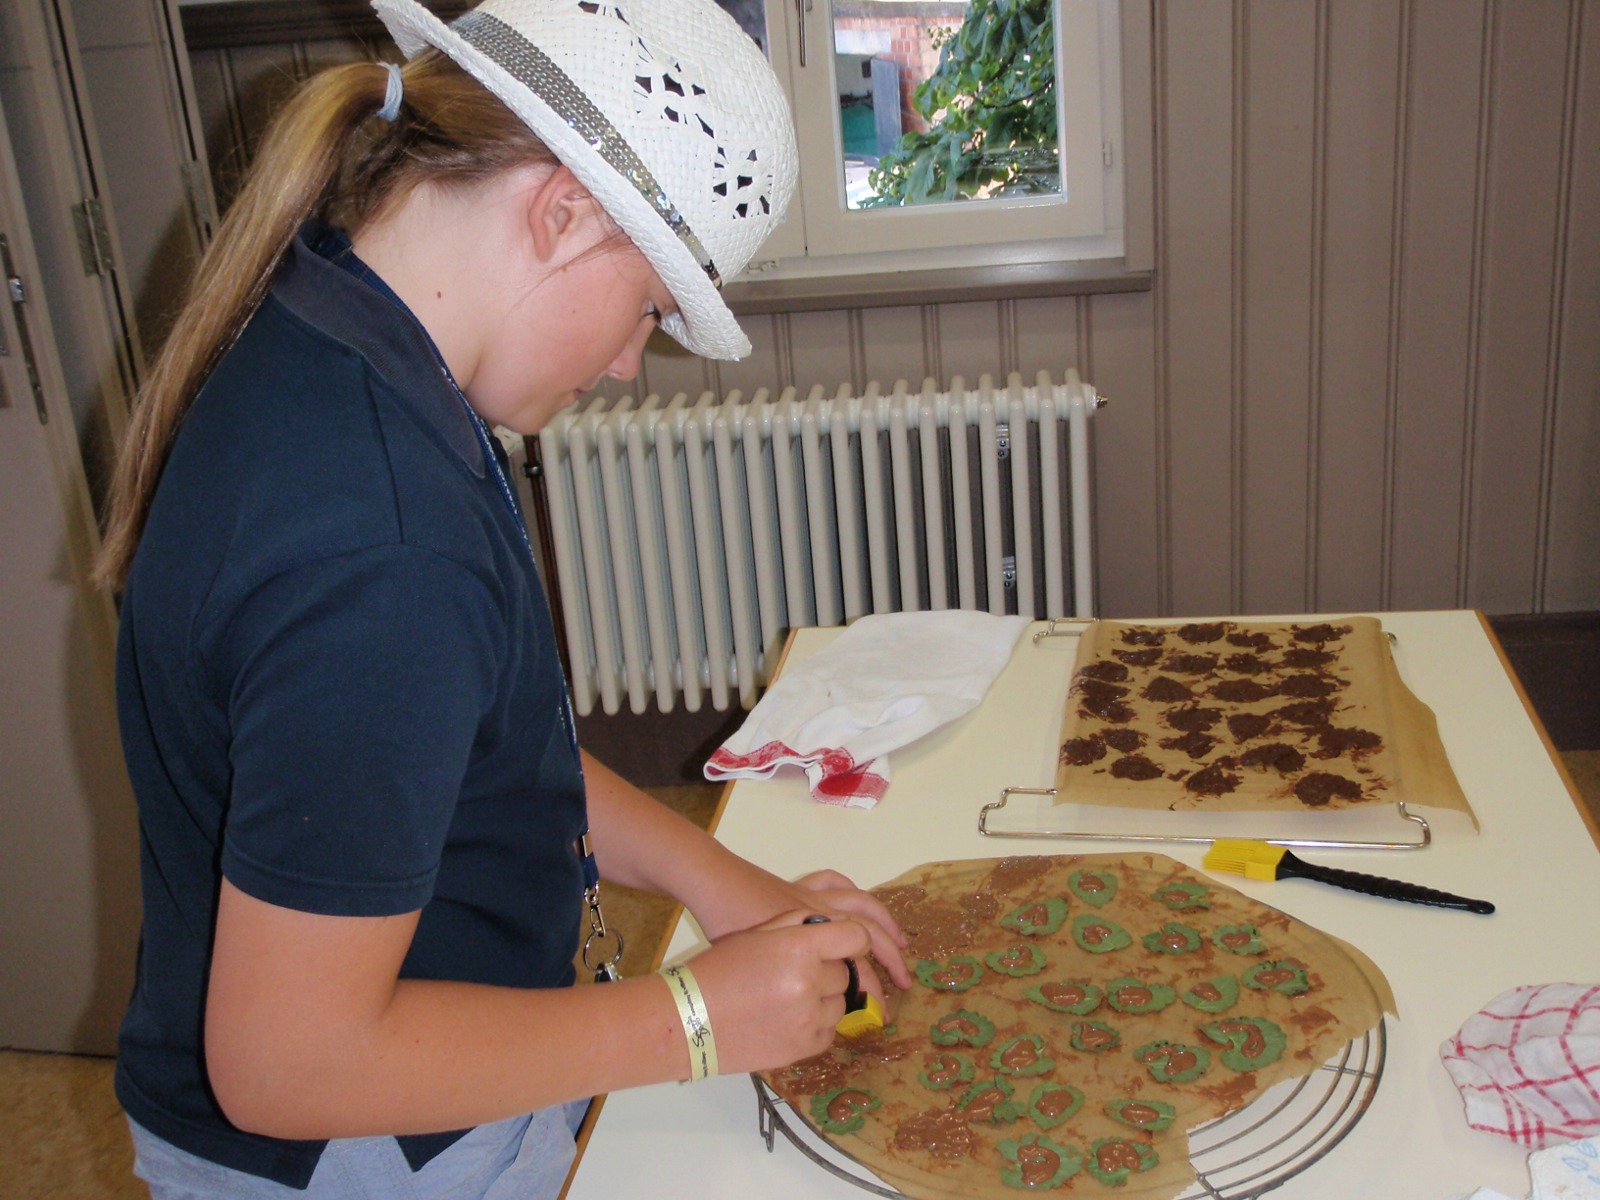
[532, 68]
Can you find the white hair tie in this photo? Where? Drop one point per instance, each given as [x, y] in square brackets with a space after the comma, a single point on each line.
[392, 93]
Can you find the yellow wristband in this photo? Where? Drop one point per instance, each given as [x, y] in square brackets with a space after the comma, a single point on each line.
[696, 1021]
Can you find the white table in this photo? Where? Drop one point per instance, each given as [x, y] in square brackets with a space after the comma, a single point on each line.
[1535, 857]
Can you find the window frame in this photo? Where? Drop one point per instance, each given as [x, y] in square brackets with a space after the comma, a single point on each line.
[991, 243]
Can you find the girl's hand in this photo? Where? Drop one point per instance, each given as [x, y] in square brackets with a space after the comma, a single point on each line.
[775, 992]
[746, 896]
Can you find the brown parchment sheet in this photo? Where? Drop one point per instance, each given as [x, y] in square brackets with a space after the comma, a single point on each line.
[1248, 716]
[1178, 929]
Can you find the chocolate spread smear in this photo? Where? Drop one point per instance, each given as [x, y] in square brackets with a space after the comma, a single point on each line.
[1241, 691]
[1098, 691]
[1104, 700]
[1081, 751]
[1116, 712]
[1320, 633]
[1319, 787]
[1136, 767]
[1193, 719]
[1253, 641]
[1124, 741]
[1215, 780]
[934, 929]
[1245, 726]
[1199, 634]
[1143, 637]
[1109, 671]
[1333, 741]
[1163, 689]
[982, 905]
[1011, 873]
[1303, 658]
[1277, 756]
[1195, 745]
[1192, 664]
[1140, 658]
[1310, 686]
[1310, 713]
[941, 1132]
[1247, 664]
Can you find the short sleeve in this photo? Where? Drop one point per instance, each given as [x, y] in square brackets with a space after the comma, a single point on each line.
[355, 688]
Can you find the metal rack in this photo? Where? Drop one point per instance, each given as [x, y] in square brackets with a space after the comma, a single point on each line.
[1424, 839]
[1239, 1156]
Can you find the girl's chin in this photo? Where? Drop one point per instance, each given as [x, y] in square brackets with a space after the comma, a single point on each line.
[531, 418]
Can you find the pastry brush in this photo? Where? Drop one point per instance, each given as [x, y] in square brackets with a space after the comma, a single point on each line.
[863, 1015]
[1261, 860]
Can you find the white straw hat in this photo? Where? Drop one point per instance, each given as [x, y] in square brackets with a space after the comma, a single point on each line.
[664, 109]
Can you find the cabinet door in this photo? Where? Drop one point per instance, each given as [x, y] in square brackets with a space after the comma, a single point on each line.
[68, 831]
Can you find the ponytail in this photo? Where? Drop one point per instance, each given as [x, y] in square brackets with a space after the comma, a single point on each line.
[327, 154]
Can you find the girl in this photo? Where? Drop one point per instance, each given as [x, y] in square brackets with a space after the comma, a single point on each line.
[365, 820]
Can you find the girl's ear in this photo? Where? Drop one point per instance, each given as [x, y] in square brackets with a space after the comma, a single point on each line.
[558, 209]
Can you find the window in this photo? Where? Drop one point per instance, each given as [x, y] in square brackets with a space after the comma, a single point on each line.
[966, 131]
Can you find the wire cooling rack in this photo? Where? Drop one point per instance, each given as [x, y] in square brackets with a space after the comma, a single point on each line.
[1240, 1156]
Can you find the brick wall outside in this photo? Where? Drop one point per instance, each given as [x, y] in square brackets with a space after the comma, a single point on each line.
[911, 46]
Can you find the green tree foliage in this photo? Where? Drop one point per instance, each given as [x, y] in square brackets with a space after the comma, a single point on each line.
[990, 106]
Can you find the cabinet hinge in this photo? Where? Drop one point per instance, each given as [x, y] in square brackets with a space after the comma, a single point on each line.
[94, 239]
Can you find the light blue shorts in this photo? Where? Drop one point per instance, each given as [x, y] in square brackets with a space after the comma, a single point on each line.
[523, 1158]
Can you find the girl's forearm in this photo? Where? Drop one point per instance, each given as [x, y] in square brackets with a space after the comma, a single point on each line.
[641, 843]
[450, 1055]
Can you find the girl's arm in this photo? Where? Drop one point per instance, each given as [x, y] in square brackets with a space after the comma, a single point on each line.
[311, 1034]
[640, 843]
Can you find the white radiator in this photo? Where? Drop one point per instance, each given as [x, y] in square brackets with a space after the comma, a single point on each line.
[690, 535]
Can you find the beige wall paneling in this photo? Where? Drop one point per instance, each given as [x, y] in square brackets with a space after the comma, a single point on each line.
[666, 370]
[1127, 460]
[824, 348]
[1440, 299]
[1196, 269]
[1570, 538]
[1509, 470]
[1279, 97]
[1048, 335]
[896, 343]
[966, 340]
[1358, 262]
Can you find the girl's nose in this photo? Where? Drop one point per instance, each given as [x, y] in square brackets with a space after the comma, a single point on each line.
[626, 365]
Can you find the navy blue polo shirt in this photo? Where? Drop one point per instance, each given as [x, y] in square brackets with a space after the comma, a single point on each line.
[338, 686]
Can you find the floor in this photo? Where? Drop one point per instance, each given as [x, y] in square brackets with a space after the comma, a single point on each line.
[62, 1136]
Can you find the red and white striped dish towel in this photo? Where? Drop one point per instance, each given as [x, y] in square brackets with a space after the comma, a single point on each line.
[1528, 1065]
[883, 683]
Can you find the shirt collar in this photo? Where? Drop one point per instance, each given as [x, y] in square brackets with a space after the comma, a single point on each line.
[324, 283]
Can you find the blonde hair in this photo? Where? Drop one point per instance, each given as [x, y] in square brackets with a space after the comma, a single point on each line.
[326, 155]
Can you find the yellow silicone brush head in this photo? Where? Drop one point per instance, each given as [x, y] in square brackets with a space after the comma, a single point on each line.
[863, 1021]
[1254, 860]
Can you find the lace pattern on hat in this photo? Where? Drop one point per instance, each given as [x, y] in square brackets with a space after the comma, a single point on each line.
[531, 67]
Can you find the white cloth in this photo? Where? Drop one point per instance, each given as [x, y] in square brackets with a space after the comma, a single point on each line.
[883, 683]
[1528, 1064]
[1567, 1172]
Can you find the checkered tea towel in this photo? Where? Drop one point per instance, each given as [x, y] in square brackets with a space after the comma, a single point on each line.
[1528, 1065]
[880, 685]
